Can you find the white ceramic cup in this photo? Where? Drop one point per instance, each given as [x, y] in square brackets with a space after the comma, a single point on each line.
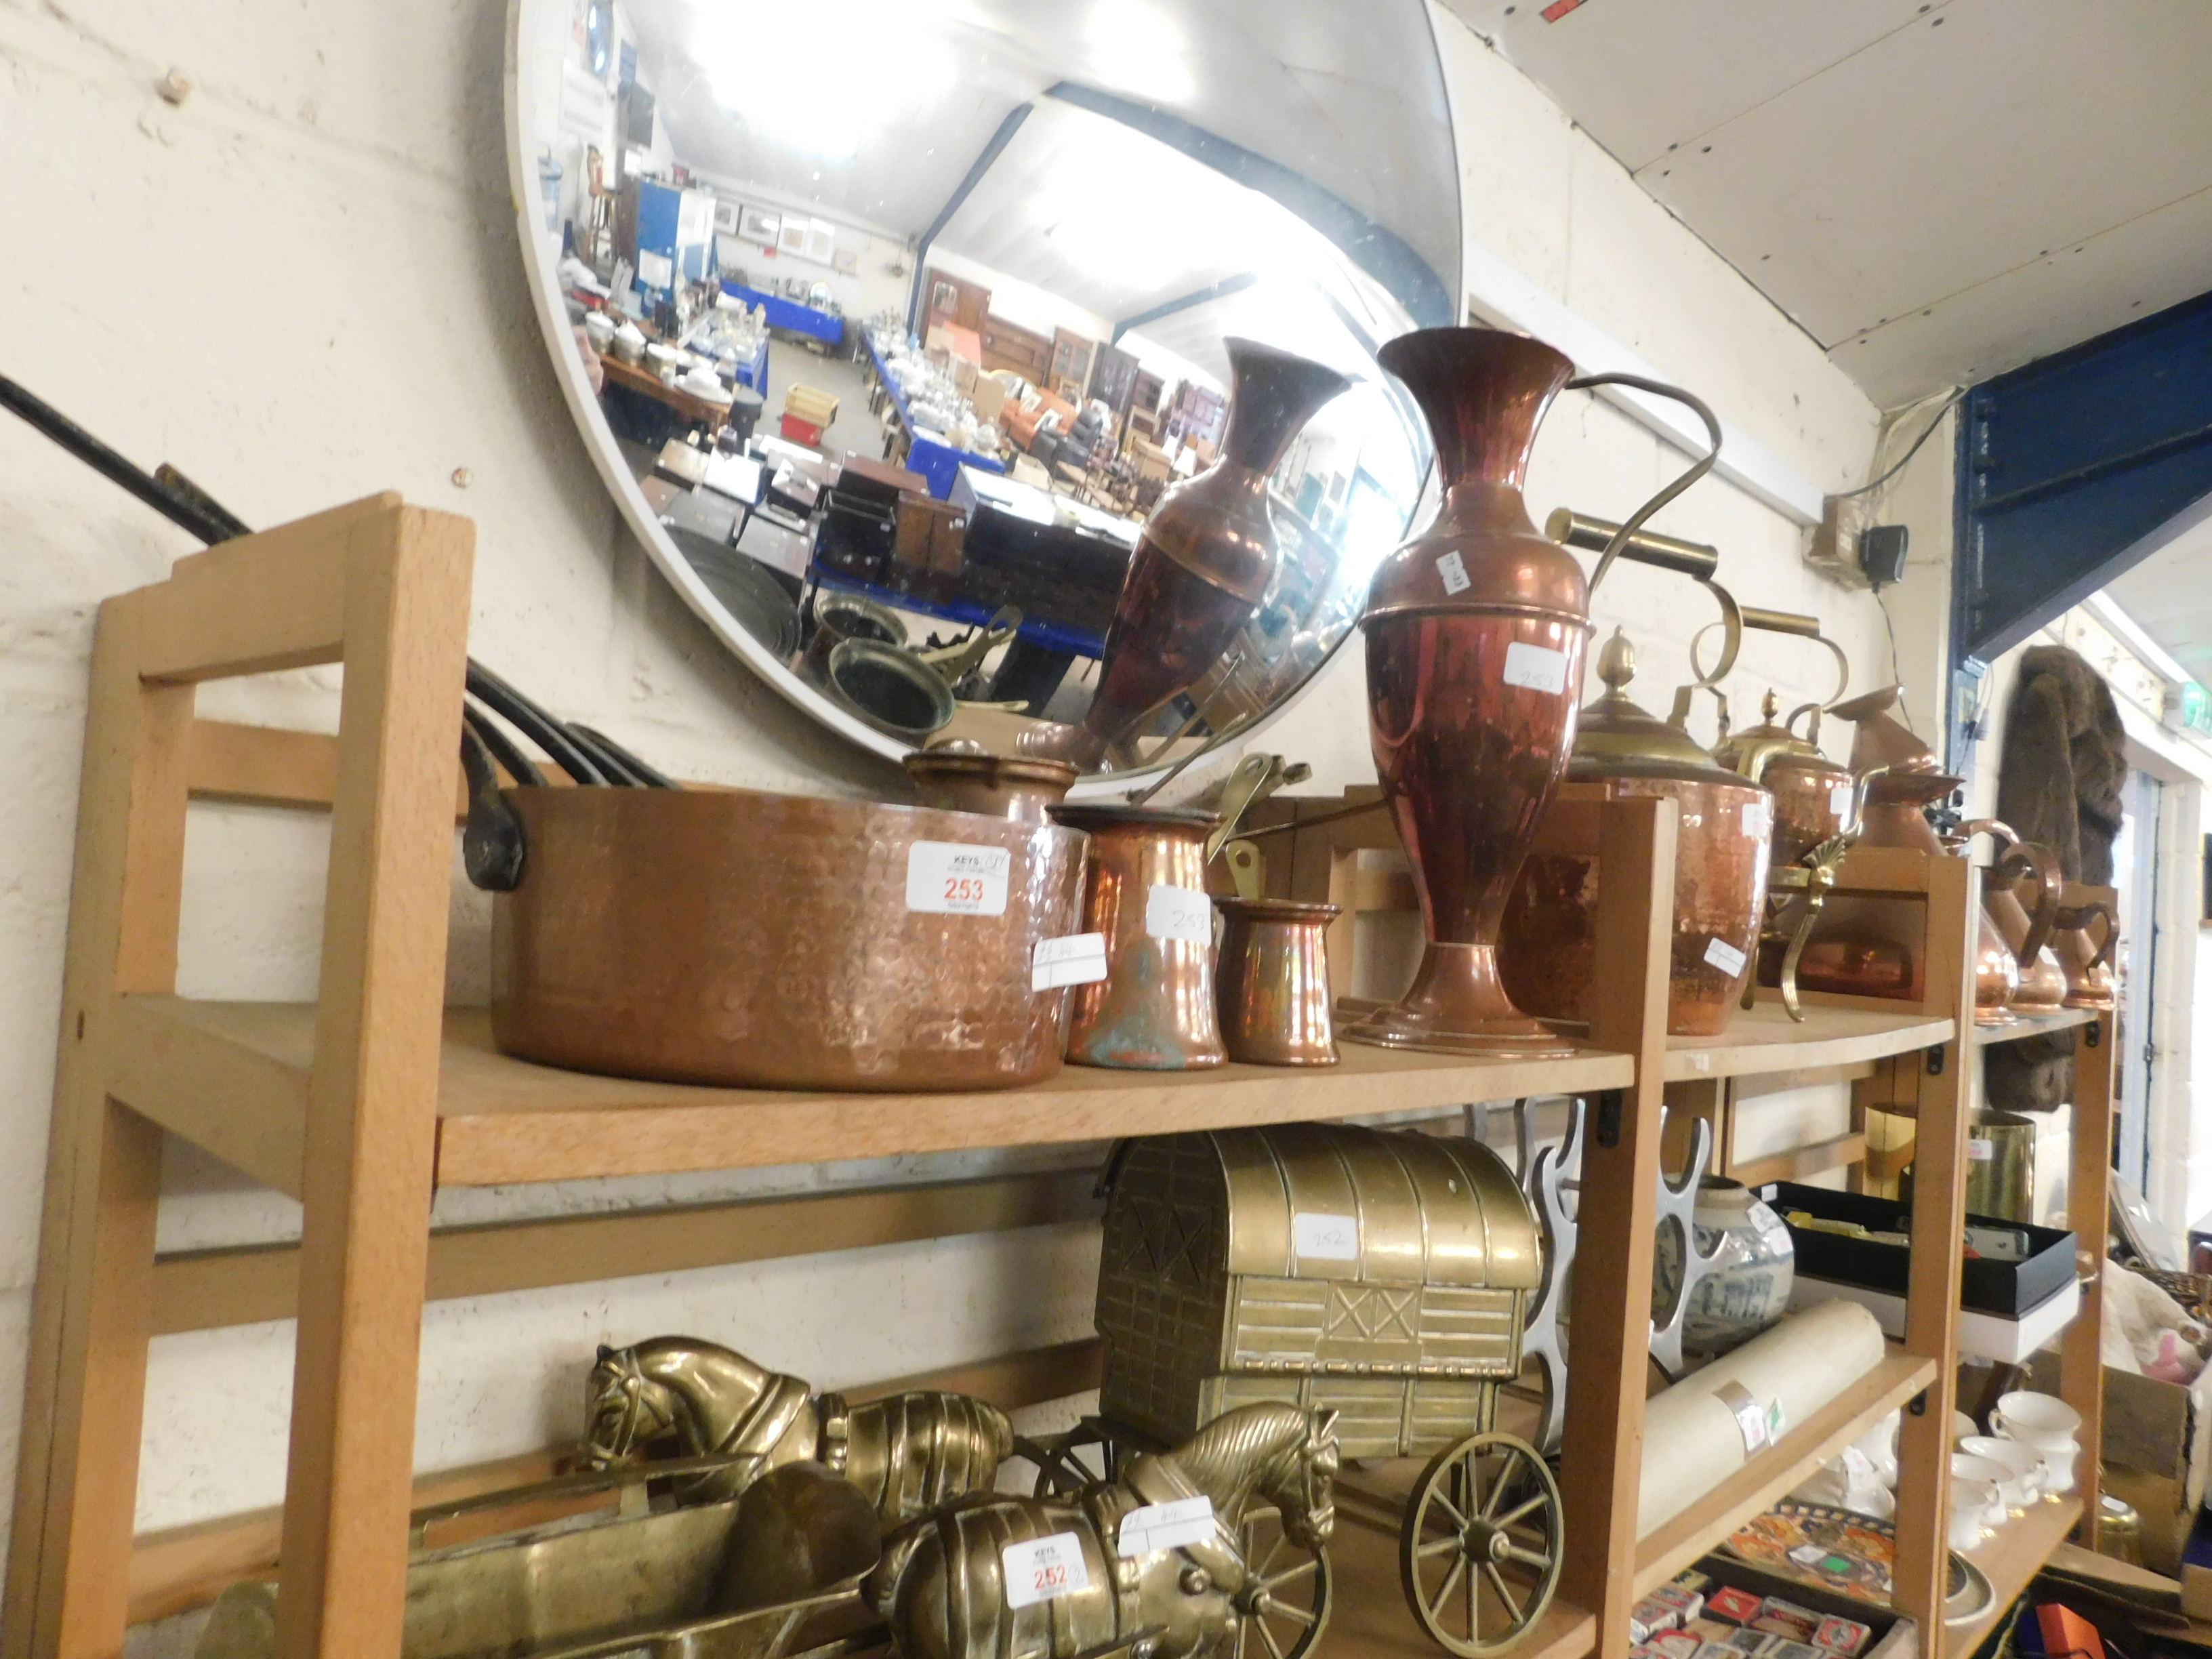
[1972, 1502]
[2060, 1460]
[2038, 1419]
[2022, 1485]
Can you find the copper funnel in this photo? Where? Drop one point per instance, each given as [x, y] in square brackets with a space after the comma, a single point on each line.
[1144, 890]
[1273, 982]
[1882, 739]
[1475, 632]
[1206, 556]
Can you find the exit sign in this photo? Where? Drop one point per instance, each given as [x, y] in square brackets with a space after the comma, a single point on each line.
[2196, 708]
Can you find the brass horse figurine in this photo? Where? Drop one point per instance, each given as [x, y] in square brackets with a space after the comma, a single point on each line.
[945, 1583]
[908, 1454]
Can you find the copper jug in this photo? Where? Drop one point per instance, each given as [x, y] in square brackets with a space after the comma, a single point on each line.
[1273, 982]
[2088, 967]
[2032, 865]
[1548, 945]
[1144, 891]
[1813, 795]
[962, 776]
[1205, 560]
[1474, 632]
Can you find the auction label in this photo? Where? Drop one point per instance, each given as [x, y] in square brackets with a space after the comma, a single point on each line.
[1179, 913]
[1044, 1568]
[1720, 954]
[1318, 1237]
[1839, 801]
[1755, 820]
[951, 878]
[1076, 959]
[1981, 1150]
[1453, 569]
[1166, 1526]
[1536, 667]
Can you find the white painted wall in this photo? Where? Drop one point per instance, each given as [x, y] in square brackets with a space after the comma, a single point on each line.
[302, 286]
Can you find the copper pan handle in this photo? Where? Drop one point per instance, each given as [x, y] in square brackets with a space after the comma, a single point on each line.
[2038, 863]
[1698, 469]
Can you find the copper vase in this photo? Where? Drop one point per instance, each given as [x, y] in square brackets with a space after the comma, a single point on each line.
[1271, 982]
[1475, 632]
[1205, 557]
[1144, 890]
[1547, 945]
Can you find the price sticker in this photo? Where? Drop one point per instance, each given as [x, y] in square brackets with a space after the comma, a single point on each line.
[1720, 954]
[1166, 1526]
[1980, 1150]
[1453, 569]
[1839, 800]
[1044, 1568]
[1076, 959]
[1318, 1237]
[949, 878]
[1173, 913]
[1755, 825]
[1536, 667]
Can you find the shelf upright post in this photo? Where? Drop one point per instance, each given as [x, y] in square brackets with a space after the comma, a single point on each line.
[1939, 1210]
[1601, 1471]
[2089, 1198]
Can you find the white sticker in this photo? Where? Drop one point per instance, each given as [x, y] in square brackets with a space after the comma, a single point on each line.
[1076, 959]
[1318, 1237]
[1750, 1416]
[1538, 667]
[1720, 954]
[655, 270]
[1044, 1568]
[1755, 820]
[1839, 800]
[1166, 1526]
[1453, 569]
[951, 878]
[1179, 913]
[1980, 1151]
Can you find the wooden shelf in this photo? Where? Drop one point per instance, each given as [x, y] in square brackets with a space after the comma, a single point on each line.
[232, 1077]
[1710, 1521]
[1372, 1621]
[2009, 1560]
[2014, 1031]
[1763, 1038]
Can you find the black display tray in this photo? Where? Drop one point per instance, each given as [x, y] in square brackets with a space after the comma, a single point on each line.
[2006, 1289]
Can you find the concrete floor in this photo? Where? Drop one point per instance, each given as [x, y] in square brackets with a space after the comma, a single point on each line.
[791, 364]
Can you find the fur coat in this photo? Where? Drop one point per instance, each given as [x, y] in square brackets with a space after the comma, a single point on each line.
[2059, 779]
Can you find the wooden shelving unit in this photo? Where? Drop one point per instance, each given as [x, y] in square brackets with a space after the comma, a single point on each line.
[363, 1103]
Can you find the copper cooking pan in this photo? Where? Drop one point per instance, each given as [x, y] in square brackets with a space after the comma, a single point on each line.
[734, 938]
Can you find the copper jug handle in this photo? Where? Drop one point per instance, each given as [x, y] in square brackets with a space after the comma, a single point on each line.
[2002, 835]
[2037, 863]
[2079, 917]
[1635, 520]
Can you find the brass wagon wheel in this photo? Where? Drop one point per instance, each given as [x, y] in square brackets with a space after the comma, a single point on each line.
[1479, 1550]
[1285, 1605]
[1083, 1457]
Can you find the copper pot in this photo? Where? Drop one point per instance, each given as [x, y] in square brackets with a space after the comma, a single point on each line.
[1548, 945]
[2089, 980]
[962, 777]
[1271, 982]
[1812, 794]
[1475, 632]
[1205, 560]
[776, 941]
[1144, 890]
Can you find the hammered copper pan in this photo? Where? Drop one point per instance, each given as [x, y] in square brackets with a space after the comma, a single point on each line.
[746, 939]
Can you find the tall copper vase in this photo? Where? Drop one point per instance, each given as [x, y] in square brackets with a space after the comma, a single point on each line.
[1206, 556]
[1475, 634]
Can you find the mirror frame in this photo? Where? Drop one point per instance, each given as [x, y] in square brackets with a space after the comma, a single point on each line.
[585, 414]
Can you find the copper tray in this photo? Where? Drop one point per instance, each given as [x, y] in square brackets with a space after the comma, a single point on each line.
[728, 937]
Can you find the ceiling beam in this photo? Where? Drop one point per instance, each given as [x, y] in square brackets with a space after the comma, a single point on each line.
[989, 154]
[1190, 301]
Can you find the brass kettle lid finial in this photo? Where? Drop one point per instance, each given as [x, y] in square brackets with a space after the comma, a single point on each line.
[1616, 738]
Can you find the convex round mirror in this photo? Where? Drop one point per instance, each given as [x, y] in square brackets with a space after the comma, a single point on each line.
[957, 359]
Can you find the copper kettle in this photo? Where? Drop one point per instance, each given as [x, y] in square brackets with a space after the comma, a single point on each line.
[1814, 796]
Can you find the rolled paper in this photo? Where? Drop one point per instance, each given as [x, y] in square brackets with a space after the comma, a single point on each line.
[1702, 1430]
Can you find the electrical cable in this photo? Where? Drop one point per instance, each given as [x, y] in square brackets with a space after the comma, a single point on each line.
[1896, 675]
[1926, 434]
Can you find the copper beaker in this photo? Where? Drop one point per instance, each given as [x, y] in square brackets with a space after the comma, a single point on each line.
[1144, 890]
[1205, 559]
[962, 777]
[1475, 632]
[1273, 982]
[2089, 981]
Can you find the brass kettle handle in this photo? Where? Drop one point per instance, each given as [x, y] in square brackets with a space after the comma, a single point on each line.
[1635, 522]
[2037, 863]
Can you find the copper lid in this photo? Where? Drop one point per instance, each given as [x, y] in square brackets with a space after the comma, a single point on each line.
[1618, 740]
[1787, 749]
[976, 764]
